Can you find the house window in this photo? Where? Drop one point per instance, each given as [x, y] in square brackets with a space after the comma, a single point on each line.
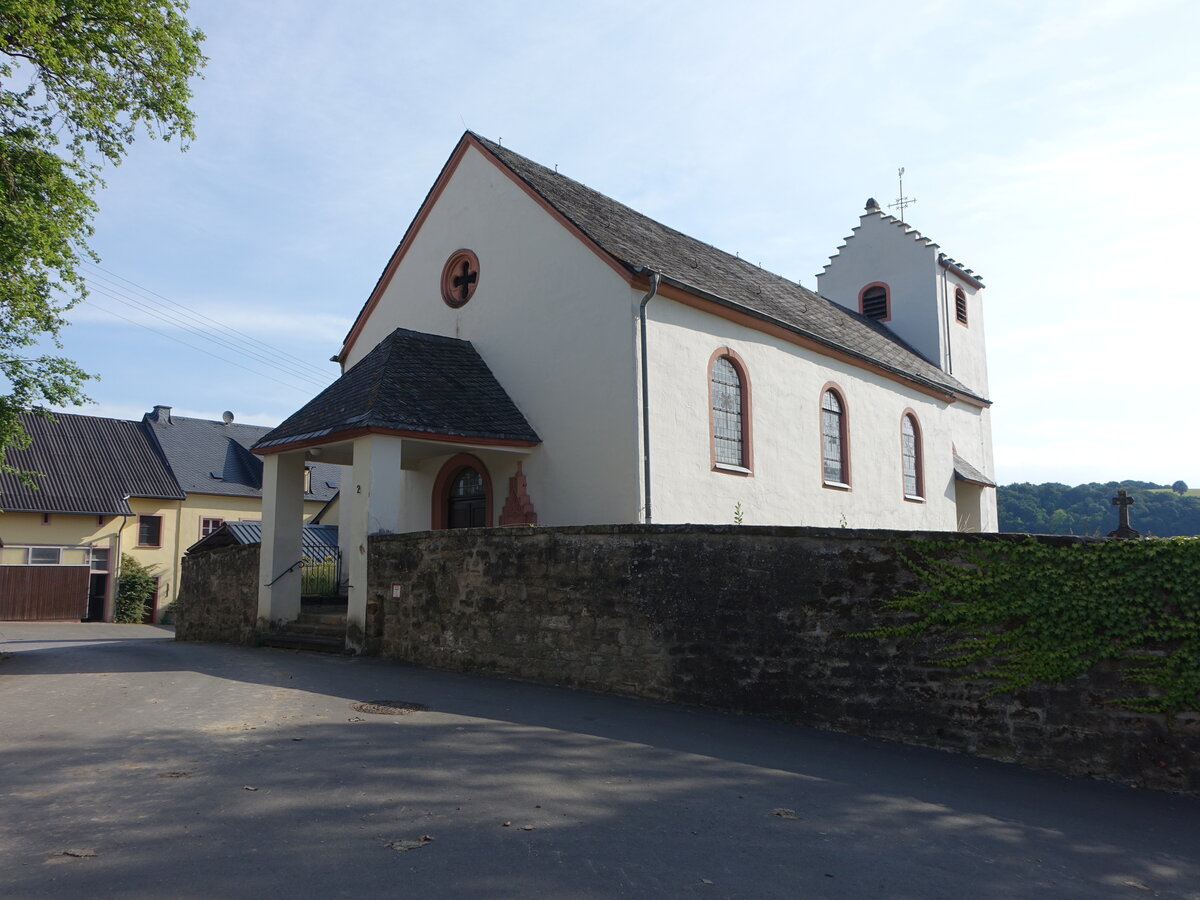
[960, 305]
[45, 556]
[460, 278]
[98, 559]
[835, 469]
[149, 531]
[209, 524]
[874, 302]
[308, 479]
[910, 449]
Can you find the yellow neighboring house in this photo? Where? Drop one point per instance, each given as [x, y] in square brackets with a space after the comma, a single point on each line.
[110, 486]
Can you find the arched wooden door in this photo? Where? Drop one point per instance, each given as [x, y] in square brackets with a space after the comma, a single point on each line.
[462, 494]
[466, 505]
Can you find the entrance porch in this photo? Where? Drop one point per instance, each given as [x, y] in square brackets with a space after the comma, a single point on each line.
[419, 425]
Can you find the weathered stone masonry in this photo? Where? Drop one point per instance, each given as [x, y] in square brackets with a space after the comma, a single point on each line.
[752, 620]
[218, 596]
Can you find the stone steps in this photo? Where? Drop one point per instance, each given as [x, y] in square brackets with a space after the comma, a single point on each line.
[331, 620]
[323, 631]
[318, 643]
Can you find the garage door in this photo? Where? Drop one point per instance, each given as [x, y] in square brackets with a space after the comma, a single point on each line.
[43, 592]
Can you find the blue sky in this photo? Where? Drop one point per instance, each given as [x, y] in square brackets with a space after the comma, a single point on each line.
[1051, 147]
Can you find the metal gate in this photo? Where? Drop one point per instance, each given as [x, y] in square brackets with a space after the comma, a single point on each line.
[321, 572]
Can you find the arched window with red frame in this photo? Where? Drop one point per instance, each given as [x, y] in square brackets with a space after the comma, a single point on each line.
[729, 412]
[875, 301]
[911, 457]
[960, 305]
[835, 449]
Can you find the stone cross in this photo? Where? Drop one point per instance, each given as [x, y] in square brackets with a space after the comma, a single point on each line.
[1122, 502]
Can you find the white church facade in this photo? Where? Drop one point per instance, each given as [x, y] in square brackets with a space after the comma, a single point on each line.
[537, 353]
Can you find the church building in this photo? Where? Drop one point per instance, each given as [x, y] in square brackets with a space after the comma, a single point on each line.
[536, 353]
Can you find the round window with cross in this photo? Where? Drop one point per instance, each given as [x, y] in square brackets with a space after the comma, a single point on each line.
[460, 278]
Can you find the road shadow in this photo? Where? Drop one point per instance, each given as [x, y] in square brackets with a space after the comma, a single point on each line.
[495, 738]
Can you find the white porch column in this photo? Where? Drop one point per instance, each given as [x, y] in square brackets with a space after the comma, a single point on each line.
[375, 495]
[282, 524]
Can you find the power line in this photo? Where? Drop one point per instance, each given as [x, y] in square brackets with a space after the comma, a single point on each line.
[172, 319]
[172, 337]
[204, 321]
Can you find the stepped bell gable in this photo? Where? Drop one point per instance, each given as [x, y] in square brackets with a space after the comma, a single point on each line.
[890, 272]
[537, 352]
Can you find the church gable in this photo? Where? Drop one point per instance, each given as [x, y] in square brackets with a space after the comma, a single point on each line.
[481, 231]
[891, 273]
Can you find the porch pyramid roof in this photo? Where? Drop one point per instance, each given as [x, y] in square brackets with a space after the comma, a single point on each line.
[415, 384]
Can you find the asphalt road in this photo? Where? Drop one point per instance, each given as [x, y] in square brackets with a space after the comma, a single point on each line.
[135, 766]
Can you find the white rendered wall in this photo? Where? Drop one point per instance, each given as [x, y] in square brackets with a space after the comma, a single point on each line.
[966, 347]
[282, 523]
[786, 487]
[883, 251]
[552, 322]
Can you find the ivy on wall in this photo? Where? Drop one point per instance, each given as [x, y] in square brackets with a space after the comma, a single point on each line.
[1029, 612]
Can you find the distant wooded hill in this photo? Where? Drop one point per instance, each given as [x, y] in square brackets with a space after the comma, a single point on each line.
[1158, 510]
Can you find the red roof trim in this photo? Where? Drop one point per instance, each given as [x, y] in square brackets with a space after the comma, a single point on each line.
[336, 437]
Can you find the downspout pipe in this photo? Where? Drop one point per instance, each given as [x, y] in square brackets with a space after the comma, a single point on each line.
[645, 356]
[945, 311]
[110, 614]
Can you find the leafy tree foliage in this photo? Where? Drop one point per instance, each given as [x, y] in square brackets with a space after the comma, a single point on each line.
[1180, 487]
[1087, 509]
[78, 80]
[135, 588]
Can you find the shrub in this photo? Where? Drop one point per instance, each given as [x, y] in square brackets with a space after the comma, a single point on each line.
[135, 588]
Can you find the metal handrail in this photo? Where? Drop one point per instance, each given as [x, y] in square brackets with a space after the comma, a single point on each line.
[284, 572]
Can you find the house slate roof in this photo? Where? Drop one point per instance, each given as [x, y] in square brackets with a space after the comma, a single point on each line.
[414, 382]
[210, 457]
[90, 465]
[636, 241]
[316, 541]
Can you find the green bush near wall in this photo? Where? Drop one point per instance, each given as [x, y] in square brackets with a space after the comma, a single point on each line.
[135, 587]
[1032, 612]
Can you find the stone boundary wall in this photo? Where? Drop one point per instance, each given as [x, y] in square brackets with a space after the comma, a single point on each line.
[218, 596]
[755, 620]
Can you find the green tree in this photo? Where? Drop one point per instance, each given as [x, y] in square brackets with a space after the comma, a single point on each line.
[1087, 509]
[78, 80]
[1180, 487]
[135, 587]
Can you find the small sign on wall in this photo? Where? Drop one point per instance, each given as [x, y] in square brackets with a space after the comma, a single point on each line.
[396, 588]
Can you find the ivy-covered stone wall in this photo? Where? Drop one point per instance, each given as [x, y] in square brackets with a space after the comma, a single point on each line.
[759, 620]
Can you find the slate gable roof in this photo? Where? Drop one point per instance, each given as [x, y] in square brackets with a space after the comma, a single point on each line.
[90, 465]
[414, 382]
[964, 471]
[316, 541]
[636, 241]
[210, 457]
